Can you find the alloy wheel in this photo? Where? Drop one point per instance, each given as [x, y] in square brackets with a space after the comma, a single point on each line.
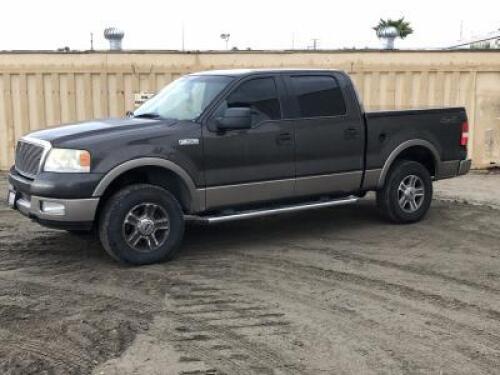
[146, 227]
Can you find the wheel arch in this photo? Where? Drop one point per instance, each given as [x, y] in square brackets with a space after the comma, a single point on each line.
[405, 148]
[195, 198]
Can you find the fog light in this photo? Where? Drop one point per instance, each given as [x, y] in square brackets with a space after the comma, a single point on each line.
[52, 208]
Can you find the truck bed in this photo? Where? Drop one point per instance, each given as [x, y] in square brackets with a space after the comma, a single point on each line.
[386, 129]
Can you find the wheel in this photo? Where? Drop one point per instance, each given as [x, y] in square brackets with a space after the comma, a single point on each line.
[407, 192]
[141, 224]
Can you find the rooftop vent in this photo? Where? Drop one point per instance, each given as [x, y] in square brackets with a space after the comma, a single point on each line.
[387, 35]
[114, 36]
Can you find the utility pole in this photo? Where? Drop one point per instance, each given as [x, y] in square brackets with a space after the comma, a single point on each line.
[182, 36]
[91, 41]
[315, 43]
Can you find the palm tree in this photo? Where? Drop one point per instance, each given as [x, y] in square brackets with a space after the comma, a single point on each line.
[403, 27]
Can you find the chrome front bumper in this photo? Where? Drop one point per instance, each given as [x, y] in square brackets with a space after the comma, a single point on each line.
[52, 209]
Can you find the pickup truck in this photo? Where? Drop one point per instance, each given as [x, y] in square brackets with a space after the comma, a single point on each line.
[233, 144]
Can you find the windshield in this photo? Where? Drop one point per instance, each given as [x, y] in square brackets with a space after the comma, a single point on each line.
[184, 98]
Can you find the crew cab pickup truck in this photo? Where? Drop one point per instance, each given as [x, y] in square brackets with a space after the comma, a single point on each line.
[233, 144]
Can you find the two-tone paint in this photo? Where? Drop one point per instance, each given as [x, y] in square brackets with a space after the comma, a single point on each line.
[287, 158]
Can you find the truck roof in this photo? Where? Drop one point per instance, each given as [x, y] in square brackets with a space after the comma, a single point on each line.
[243, 72]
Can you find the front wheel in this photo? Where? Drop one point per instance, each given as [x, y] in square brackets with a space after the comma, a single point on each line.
[141, 224]
[407, 192]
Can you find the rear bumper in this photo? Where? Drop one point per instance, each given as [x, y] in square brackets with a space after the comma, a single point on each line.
[464, 167]
[453, 168]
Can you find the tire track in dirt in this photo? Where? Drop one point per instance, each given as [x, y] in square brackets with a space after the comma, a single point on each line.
[279, 262]
[418, 270]
[54, 341]
[228, 312]
[306, 272]
[216, 301]
[306, 277]
[225, 333]
[54, 354]
[288, 304]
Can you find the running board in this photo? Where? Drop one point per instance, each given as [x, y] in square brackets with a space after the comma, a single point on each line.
[274, 211]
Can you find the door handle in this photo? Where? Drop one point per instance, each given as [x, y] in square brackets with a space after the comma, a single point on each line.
[351, 133]
[284, 138]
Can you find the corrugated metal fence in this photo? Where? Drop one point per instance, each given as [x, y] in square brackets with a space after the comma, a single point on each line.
[45, 89]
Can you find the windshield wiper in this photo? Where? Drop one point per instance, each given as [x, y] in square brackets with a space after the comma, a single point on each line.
[148, 115]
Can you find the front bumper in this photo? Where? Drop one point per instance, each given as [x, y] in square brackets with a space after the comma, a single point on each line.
[52, 212]
[56, 185]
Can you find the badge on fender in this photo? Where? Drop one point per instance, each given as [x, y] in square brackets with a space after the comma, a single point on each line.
[189, 141]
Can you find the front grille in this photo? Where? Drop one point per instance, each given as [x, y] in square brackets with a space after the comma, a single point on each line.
[28, 156]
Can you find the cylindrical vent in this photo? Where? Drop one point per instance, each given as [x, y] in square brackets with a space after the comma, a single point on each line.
[114, 36]
[387, 35]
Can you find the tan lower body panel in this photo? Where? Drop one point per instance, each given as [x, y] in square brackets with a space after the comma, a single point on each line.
[372, 177]
[247, 193]
[330, 183]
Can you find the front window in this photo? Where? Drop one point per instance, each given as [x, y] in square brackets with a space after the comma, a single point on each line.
[184, 99]
[258, 94]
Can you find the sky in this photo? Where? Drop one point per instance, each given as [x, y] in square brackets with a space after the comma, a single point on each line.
[256, 24]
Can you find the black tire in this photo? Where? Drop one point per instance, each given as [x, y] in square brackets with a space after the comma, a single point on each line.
[80, 232]
[412, 208]
[115, 233]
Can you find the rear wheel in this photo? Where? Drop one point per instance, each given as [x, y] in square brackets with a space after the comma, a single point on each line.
[141, 224]
[407, 192]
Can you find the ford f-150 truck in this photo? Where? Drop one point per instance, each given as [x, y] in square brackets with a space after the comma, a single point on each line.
[233, 144]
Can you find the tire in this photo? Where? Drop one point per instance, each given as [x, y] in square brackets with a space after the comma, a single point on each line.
[141, 224]
[397, 201]
[80, 232]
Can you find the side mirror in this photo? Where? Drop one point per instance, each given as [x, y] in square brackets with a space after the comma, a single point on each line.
[235, 118]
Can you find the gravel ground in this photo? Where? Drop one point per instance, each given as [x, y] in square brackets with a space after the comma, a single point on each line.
[475, 188]
[332, 291]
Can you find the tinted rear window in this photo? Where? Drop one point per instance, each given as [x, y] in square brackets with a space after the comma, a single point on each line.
[318, 96]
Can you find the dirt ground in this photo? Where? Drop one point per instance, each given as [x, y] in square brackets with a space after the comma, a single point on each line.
[332, 291]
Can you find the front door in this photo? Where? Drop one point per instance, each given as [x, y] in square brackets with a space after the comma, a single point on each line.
[250, 165]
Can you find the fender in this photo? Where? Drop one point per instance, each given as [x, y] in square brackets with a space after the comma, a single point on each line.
[403, 146]
[197, 195]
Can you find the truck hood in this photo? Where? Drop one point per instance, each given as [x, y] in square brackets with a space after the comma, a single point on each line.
[73, 132]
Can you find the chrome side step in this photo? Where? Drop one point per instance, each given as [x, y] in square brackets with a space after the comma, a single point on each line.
[274, 211]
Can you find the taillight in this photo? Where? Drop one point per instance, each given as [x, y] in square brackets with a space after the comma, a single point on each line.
[464, 139]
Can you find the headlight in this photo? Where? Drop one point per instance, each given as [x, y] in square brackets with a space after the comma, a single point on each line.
[67, 161]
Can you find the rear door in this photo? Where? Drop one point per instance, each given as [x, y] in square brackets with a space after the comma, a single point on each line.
[250, 165]
[329, 134]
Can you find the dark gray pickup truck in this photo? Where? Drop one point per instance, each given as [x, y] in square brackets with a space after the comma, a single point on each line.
[228, 145]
